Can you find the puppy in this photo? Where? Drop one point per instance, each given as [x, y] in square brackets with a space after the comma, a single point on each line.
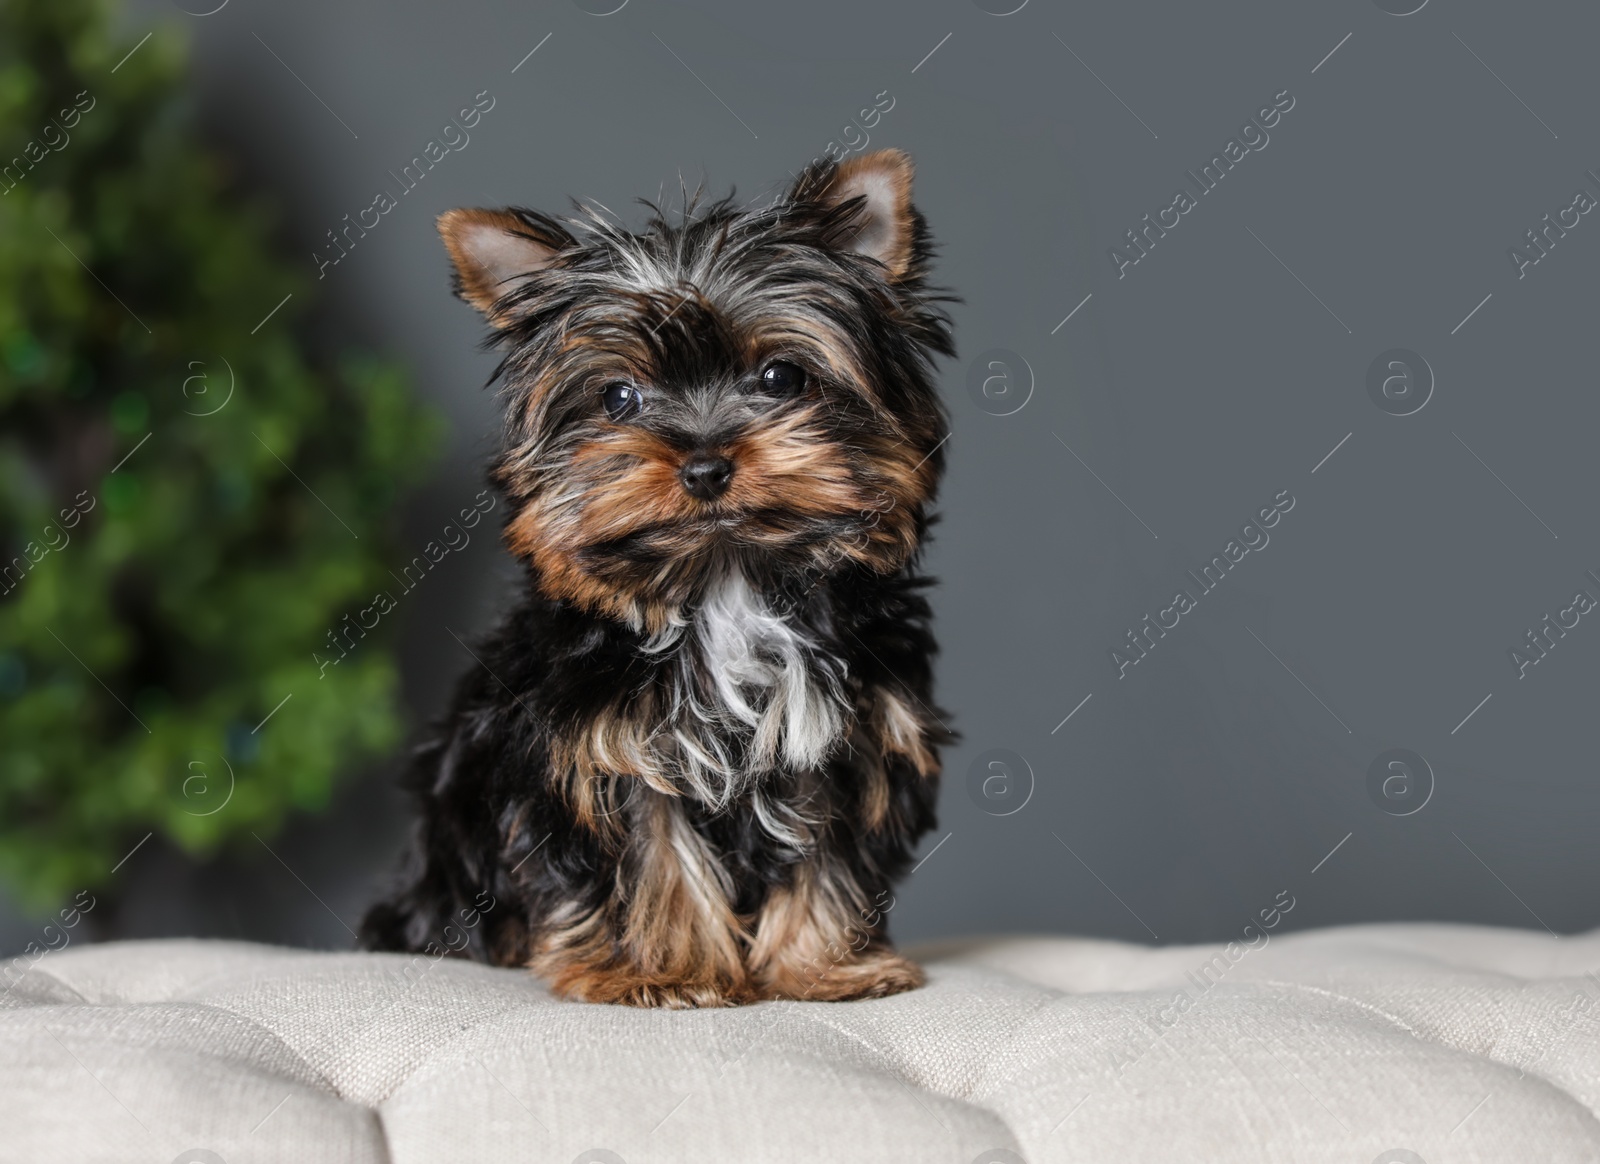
[688, 767]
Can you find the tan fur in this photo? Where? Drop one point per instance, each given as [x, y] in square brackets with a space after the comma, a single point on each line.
[893, 167]
[629, 486]
[598, 769]
[817, 940]
[667, 938]
[898, 729]
[787, 465]
[887, 726]
[753, 715]
[491, 250]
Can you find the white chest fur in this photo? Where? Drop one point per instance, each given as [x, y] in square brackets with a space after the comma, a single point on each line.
[748, 694]
[757, 663]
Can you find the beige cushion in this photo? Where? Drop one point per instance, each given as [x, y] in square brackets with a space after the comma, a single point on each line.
[1454, 1043]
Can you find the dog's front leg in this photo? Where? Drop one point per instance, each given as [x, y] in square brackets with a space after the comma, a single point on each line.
[821, 938]
[665, 935]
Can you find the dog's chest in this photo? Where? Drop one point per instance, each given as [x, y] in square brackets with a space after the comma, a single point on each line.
[751, 692]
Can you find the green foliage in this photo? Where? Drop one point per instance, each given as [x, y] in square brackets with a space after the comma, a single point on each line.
[185, 594]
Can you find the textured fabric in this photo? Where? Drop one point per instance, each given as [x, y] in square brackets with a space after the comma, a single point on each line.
[1453, 1043]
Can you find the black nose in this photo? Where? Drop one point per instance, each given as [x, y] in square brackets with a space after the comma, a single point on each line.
[706, 477]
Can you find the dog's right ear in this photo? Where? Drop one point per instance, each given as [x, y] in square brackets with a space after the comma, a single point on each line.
[497, 253]
[876, 188]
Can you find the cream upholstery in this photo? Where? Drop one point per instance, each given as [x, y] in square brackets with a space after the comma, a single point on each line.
[1349, 1045]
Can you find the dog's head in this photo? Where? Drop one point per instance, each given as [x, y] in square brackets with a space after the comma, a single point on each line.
[745, 389]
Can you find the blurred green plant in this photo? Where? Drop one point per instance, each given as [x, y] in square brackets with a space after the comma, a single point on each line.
[159, 599]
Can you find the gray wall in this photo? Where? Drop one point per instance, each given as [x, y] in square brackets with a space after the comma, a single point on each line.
[1180, 398]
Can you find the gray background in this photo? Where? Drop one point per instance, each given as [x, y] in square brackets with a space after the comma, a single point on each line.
[1182, 798]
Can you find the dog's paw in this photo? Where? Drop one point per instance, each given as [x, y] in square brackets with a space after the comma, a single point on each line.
[665, 994]
[682, 995]
[875, 974]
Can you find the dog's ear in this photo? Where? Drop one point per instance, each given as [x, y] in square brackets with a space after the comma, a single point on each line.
[869, 198]
[496, 253]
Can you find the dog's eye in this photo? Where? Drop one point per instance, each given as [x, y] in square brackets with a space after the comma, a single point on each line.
[621, 400]
[781, 378]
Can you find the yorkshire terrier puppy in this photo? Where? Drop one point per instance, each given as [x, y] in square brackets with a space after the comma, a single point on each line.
[690, 764]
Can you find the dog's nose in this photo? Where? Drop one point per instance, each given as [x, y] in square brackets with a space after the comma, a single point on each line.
[706, 477]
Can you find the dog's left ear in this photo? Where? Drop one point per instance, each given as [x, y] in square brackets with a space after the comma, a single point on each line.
[883, 224]
[497, 252]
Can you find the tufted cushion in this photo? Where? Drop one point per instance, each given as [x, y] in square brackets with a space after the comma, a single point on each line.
[1453, 1043]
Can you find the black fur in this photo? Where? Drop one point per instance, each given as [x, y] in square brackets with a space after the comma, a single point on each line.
[501, 854]
[485, 768]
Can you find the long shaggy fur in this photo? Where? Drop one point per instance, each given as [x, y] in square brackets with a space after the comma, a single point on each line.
[702, 746]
